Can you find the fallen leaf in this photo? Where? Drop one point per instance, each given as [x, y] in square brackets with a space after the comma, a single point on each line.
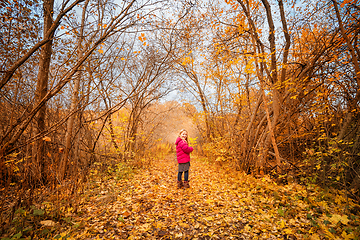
[47, 223]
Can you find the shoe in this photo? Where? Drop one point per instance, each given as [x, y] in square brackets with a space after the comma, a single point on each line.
[186, 184]
[180, 184]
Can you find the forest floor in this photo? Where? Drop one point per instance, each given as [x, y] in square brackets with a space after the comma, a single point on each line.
[220, 204]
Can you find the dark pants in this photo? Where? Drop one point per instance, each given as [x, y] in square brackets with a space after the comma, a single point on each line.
[186, 176]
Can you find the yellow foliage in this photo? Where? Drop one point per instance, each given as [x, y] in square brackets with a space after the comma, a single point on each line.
[187, 60]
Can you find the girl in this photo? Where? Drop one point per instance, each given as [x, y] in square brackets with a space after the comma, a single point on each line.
[183, 157]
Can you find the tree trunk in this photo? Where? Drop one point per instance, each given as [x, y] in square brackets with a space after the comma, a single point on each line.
[74, 99]
[259, 74]
[354, 59]
[271, 73]
[206, 112]
[41, 91]
[276, 85]
[246, 146]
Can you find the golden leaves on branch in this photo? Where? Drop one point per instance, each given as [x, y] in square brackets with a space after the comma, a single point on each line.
[187, 60]
[142, 38]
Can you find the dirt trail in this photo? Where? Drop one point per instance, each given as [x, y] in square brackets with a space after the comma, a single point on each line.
[217, 206]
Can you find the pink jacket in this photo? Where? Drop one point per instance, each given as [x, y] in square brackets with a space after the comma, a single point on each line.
[183, 151]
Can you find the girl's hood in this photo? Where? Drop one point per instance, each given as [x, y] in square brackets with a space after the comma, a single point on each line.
[178, 140]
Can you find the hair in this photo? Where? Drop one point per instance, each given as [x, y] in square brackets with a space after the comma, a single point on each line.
[184, 130]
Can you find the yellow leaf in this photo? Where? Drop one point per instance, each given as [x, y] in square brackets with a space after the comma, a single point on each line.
[145, 227]
[47, 223]
[105, 26]
[101, 51]
[282, 224]
[209, 219]
[209, 201]
[314, 237]
[348, 236]
[158, 225]
[126, 214]
[219, 159]
[47, 139]
[178, 235]
[63, 234]
[328, 234]
[337, 218]
[124, 59]
[247, 228]
[183, 225]
[344, 219]
[62, 27]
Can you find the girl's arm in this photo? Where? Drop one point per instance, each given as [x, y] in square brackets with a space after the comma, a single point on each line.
[185, 147]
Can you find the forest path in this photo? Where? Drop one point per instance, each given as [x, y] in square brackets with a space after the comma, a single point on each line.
[218, 205]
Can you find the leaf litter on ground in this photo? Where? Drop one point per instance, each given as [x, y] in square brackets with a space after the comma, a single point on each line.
[220, 204]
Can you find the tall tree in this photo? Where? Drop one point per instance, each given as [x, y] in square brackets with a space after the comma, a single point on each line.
[75, 93]
[42, 89]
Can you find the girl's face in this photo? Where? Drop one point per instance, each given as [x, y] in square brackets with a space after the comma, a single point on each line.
[183, 135]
